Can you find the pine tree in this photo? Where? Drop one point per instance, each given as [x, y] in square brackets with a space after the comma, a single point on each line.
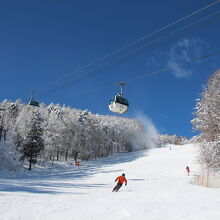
[33, 143]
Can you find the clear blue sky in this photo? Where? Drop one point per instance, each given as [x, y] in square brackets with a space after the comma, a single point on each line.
[43, 40]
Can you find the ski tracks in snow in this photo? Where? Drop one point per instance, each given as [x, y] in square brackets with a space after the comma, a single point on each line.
[158, 188]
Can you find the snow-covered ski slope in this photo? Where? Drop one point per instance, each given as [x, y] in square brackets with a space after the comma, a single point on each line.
[158, 189]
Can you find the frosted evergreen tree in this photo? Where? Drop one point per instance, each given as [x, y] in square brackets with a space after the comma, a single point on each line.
[32, 143]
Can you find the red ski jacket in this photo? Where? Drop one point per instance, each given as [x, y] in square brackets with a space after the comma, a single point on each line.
[121, 179]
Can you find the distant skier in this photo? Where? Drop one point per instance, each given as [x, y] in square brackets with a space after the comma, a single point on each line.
[77, 163]
[121, 179]
[187, 170]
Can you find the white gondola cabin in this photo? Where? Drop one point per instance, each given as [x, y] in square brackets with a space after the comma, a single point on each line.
[119, 104]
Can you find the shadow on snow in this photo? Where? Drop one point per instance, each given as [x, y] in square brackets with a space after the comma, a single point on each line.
[52, 180]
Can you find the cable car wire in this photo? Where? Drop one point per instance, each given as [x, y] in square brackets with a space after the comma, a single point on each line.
[127, 45]
[145, 75]
[137, 52]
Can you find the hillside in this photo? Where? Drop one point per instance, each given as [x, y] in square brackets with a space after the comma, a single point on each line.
[64, 133]
[158, 188]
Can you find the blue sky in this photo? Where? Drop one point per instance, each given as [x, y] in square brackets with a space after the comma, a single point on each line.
[43, 40]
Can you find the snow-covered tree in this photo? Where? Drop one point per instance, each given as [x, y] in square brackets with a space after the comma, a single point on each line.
[207, 121]
[8, 114]
[30, 143]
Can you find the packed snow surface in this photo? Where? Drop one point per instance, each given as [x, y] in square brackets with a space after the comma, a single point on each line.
[158, 188]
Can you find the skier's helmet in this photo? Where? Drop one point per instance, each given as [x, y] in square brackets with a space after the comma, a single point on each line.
[123, 174]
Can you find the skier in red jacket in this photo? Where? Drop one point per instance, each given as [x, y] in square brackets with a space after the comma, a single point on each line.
[121, 179]
[187, 170]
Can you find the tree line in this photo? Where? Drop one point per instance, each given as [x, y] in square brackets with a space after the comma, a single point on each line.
[172, 139]
[59, 133]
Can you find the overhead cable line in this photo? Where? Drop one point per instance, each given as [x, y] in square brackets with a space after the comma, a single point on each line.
[145, 75]
[127, 45]
[137, 52]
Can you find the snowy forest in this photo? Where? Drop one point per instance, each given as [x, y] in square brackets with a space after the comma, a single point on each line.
[207, 122]
[172, 139]
[59, 133]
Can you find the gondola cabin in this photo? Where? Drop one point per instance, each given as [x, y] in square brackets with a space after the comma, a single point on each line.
[33, 103]
[118, 104]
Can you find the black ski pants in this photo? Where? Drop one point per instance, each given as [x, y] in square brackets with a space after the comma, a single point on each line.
[117, 187]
